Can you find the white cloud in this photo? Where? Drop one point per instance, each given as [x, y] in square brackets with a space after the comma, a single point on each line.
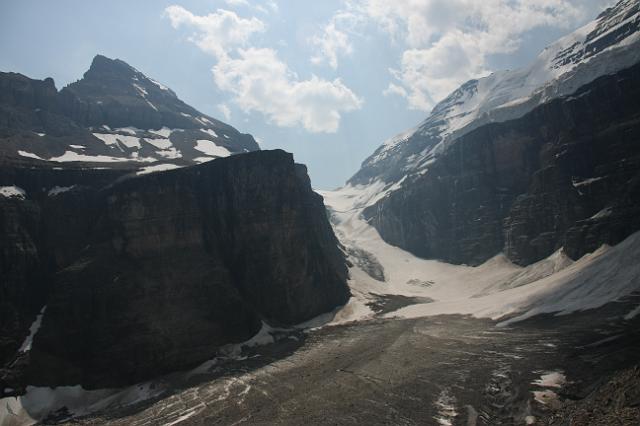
[267, 7]
[258, 80]
[331, 43]
[237, 2]
[217, 32]
[334, 39]
[261, 82]
[394, 89]
[225, 111]
[448, 42]
[271, 4]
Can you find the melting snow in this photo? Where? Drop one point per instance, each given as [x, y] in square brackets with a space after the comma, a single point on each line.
[631, 315]
[209, 148]
[201, 160]
[577, 184]
[554, 379]
[495, 289]
[159, 143]
[74, 156]
[26, 345]
[157, 168]
[29, 155]
[113, 139]
[56, 190]
[210, 132]
[165, 132]
[129, 130]
[12, 192]
[161, 86]
[38, 402]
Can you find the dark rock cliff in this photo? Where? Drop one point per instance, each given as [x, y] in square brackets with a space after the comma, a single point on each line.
[566, 174]
[155, 273]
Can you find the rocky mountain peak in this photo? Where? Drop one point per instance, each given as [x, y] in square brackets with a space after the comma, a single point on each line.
[102, 66]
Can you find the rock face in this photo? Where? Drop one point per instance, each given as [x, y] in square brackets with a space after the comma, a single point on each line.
[566, 174]
[152, 274]
[114, 115]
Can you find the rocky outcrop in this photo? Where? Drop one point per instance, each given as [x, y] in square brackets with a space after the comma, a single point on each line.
[155, 273]
[566, 174]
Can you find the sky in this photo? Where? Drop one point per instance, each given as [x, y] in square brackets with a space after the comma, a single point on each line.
[328, 80]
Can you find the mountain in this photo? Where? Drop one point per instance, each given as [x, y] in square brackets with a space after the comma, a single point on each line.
[111, 273]
[114, 116]
[524, 161]
[135, 277]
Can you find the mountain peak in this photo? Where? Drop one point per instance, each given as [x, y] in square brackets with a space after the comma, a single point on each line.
[102, 65]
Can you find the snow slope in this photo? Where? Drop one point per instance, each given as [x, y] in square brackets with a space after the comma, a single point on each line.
[497, 289]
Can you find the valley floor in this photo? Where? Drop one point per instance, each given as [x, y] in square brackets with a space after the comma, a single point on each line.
[438, 370]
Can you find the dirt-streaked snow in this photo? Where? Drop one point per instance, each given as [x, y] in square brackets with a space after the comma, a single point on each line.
[498, 289]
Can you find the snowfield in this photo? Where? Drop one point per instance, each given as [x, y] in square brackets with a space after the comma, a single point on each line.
[497, 289]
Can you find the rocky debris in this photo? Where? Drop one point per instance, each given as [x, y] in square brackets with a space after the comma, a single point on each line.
[565, 175]
[151, 274]
[367, 262]
[613, 401]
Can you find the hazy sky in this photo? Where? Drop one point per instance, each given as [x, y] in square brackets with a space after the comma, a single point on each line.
[327, 80]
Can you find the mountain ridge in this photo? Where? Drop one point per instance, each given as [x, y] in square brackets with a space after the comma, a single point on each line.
[606, 45]
[114, 116]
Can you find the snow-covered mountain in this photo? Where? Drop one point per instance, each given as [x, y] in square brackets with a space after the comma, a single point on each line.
[521, 162]
[114, 116]
[604, 46]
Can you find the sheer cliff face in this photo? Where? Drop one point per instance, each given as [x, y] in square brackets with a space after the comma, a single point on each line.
[566, 174]
[153, 274]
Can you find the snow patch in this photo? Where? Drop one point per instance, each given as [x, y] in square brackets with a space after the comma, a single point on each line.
[113, 139]
[74, 156]
[35, 326]
[165, 132]
[210, 132]
[38, 402]
[57, 190]
[208, 147]
[446, 406]
[553, 379]
[162, 143]
[201, 160]
[634, 313]
[606, 212]
[29, 155]
[12, 192]
[157, 168]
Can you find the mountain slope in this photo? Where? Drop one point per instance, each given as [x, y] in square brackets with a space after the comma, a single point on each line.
[519, 164]
[604, 46]
[114, 116]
